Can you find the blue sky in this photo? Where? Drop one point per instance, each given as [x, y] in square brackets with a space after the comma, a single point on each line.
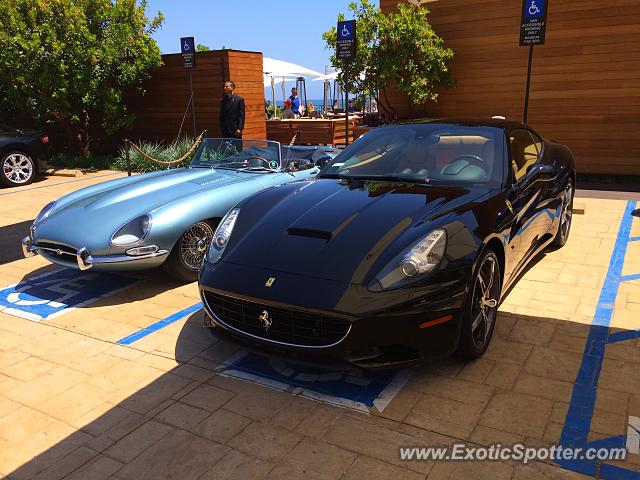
[286, 30]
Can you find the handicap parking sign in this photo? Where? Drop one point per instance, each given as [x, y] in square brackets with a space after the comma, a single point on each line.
[52, 294]
[346, 40]
[352, 388]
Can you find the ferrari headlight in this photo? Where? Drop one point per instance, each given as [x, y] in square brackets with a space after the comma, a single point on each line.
[222, 235]
[132, 232]
[420, 259]
[45, 212]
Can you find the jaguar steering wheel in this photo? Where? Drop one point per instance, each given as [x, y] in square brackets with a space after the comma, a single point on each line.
[262, 159]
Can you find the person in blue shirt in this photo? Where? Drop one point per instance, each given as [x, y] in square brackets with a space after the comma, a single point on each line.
[295, 102]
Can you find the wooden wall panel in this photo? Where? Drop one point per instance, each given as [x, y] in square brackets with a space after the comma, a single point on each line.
[585, 87]
[159, 112]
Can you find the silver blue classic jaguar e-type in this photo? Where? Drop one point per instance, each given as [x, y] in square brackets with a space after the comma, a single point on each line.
[168, 217]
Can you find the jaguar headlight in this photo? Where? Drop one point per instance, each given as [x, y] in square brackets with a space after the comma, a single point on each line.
[133, 232]
[222, 235]
[419, 260]
[45, 212]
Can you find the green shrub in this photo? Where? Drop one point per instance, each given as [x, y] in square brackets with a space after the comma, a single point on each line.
[157, 150]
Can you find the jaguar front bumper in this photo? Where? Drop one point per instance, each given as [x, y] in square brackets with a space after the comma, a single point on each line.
[83, 257]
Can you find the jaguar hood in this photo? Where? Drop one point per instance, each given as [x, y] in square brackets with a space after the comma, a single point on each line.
[108, 205]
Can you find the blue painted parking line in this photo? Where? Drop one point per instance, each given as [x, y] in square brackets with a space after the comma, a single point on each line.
[52, 294]
[353, 388]
[622, 336]
[154, 327]
[59, 183]
[629, 278]
[578, 420]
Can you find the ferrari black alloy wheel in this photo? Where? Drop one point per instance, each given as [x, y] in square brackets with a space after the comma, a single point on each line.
[481, 307]
[566, 215]
[188, 253]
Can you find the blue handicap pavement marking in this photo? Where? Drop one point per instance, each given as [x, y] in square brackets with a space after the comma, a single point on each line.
[583, 398]
[356, 389]
[52, 294]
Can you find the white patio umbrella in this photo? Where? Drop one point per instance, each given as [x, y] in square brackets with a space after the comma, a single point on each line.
[283, 71]
[280, 68]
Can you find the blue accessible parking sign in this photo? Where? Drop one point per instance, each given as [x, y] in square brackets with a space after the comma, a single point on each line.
[52, 294]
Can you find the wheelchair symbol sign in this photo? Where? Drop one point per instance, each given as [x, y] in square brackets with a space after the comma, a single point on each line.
[346, 30]
[534, 8]
[187, 45]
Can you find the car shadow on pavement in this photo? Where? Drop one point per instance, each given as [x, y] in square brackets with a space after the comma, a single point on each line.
[10, 238]
[148, 283]
[135, 412]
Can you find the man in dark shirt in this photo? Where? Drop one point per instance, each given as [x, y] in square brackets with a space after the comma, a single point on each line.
[231, 112]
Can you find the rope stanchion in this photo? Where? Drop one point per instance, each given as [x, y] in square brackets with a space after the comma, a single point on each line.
[127, 155]
[172, 162]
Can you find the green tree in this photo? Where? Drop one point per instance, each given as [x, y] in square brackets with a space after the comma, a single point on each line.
[399, 48]
[69, 62]
[202, 48]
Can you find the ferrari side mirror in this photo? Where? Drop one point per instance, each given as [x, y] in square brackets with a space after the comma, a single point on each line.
[541, 171]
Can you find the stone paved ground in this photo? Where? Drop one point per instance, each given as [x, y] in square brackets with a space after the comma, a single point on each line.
[74, 404]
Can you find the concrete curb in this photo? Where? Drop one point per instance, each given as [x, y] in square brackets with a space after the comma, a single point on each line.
[63, 172]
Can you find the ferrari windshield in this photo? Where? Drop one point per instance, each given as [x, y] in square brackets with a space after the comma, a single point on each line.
[423, 153]
[238, 154]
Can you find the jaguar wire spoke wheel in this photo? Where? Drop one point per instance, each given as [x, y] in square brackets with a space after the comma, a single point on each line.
[194, 244]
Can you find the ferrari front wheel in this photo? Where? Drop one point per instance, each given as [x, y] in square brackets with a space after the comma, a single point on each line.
[188, 253]
[481, 307]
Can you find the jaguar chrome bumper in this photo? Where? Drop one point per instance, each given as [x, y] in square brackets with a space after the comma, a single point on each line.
[83, 257]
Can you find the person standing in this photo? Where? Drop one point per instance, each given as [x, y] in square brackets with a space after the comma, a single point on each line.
[295, 102]
[231, 112]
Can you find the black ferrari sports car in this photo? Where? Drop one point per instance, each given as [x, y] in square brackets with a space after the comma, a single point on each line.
[400, 250]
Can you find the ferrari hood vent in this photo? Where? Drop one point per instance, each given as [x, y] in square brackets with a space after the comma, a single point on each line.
[307, 232]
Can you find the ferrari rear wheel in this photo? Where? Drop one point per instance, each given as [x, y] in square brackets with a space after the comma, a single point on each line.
[566, 215]
[188, 253]
[481, 307]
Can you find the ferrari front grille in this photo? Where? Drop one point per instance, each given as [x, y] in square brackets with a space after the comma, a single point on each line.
[277, 324]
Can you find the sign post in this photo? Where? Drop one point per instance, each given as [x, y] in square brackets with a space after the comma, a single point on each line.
[533, 28]
[188, 49]
[346, 50]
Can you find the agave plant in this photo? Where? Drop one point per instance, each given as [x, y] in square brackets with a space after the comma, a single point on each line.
[157, 150]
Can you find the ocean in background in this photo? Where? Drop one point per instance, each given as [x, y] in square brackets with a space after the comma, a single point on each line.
[318, 104]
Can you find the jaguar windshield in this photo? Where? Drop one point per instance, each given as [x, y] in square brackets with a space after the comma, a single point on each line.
[238, 154]
[423, 153]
